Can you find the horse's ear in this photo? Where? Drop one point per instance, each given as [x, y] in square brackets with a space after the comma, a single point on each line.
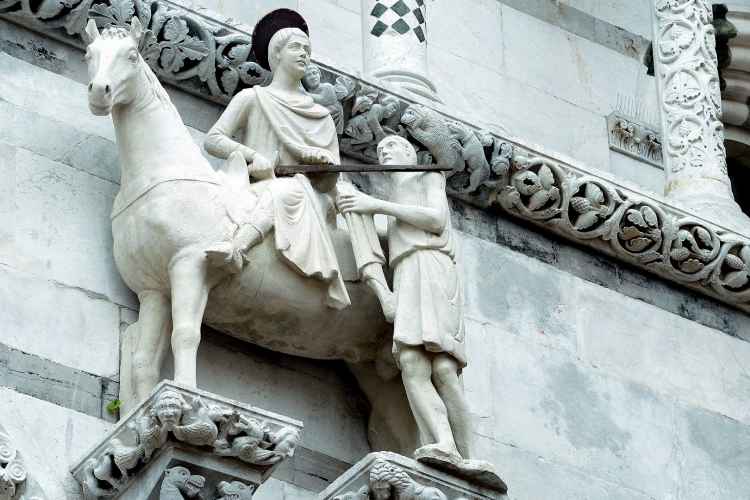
[91, 31]
[136, 29]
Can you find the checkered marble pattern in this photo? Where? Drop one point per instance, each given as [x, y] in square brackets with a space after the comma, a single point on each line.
[405, 17]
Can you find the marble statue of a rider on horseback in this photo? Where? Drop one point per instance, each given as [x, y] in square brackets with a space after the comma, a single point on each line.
[192, 241]
[265, 261]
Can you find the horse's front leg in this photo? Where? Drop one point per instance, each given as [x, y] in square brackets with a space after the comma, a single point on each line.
[143, 349]
[188, 277]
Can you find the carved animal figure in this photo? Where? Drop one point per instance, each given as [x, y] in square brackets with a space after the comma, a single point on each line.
[180, 484]
[431, 130]
[234, 491]
[473, 155]
[366, 126]
[329, 95]
[501, 155]
[197, 427]
[160, 252]
[389, 482]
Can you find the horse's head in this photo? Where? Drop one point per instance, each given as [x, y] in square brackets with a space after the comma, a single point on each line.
[113, 63]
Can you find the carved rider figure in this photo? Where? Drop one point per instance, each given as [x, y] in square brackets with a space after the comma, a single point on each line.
[283, 124]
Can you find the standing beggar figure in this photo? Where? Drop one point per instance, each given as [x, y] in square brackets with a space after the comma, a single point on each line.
[428, 337]
[283, 124]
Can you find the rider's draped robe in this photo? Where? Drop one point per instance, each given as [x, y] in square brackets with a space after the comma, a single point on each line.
[272, 123]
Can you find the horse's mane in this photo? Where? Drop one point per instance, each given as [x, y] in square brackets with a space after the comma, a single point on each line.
[121, 32]
[158, 89]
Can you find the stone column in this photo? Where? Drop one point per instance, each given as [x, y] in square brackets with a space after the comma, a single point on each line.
[394, 40]
[688, 85]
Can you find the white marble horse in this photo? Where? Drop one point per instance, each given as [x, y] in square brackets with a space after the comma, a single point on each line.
[171, 207]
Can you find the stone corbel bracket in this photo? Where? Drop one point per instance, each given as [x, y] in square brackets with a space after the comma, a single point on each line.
[181, 429]
[630, 137]
[209, 56]
[391, 476]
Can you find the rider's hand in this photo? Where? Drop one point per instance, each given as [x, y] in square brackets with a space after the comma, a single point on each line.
[356, 202]
[316, 156]
[261, 167]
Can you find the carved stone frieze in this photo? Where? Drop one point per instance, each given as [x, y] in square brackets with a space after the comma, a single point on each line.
[388, 476]
[211, 57]
[175, 425]
[633, 138]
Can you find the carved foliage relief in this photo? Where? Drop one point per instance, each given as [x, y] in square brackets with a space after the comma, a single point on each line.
[691, 96]
[210, 58]
[172, 415]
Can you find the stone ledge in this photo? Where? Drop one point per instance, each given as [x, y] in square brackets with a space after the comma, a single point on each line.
[553, 193]
[186, 427]
[385, 473]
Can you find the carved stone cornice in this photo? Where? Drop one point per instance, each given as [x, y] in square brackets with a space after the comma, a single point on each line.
[208, 56]
[188, 428]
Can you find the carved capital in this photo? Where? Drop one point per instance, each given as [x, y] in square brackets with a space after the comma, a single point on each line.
[388, 476]
[188, 428]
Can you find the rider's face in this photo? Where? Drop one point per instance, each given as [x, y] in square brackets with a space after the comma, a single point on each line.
[295, 56]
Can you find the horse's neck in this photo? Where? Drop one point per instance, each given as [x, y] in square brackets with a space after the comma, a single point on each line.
[150, 135]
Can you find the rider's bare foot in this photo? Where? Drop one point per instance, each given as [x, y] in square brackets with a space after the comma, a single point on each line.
[225, 255]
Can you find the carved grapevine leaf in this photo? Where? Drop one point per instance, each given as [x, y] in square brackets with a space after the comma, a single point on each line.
[539, 199]
[736, 279]
[682, 89]
[179, 45]
[638, 244]
[745, 255]
[119, 13]
[636, 217]
[76, 20]
[594, 193]
[650, 216]
[149, 48]
[51, 8]
[704, 236]
[692, 266]
[230, 79]
[586, 220]
[546, 177]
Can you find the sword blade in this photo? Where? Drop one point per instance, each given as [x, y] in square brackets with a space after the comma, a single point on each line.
[321, 169]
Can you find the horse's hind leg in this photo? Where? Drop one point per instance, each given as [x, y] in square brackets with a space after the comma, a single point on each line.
[188, 277]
